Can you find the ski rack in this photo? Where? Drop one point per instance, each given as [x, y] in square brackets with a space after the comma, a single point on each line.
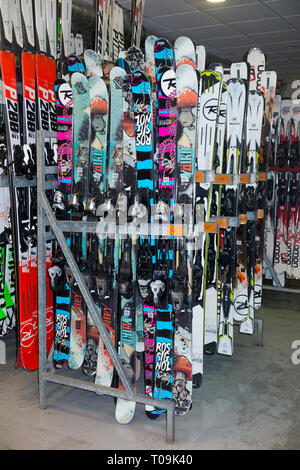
[47, 218]
[47, 372]
[210, 176]
[278, 286]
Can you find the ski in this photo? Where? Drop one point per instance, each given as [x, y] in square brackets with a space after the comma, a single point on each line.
[209, 99]
[93, 65]
[100, 27]
[29, 149]
[236, 102]
[269, 82]
[65, 35]
[181, 291]
[127, 256]
[59, 272]
[256, 58]
[255, 110]
[283, 152]
[137, 21]
[45, 71]
[18, 197]
[141, 90]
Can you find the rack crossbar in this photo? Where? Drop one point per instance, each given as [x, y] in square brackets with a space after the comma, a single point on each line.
[278, 286]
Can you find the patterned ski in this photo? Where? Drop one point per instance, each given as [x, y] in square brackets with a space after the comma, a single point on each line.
[80, 187]
[20, 216]
[98, 138]
[106, 277]
[255, 109]
[187, 100]
[167, 129]
[127, 258]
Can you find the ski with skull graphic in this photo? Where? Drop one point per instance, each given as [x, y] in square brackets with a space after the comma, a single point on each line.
[255, 108]
[209, 99]
[127, 254]
[106, 278]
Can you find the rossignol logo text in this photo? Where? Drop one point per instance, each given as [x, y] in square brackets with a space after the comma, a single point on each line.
[210, 109]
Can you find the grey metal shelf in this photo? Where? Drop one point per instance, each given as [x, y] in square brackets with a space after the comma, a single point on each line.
[47, 373]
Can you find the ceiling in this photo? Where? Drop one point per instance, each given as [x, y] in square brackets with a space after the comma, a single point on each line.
[230, 29]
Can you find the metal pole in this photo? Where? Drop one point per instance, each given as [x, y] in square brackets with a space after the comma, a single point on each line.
[282, 289]
[41, 273]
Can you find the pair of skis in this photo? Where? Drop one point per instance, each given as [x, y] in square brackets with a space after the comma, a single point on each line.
[286, 170]
[21, 62]
[109, 30]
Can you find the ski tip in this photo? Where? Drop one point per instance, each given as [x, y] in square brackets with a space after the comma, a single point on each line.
[154, 415]
[18, 363]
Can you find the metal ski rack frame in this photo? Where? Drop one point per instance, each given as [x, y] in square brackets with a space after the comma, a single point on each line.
[278, 286]
[47, 373]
